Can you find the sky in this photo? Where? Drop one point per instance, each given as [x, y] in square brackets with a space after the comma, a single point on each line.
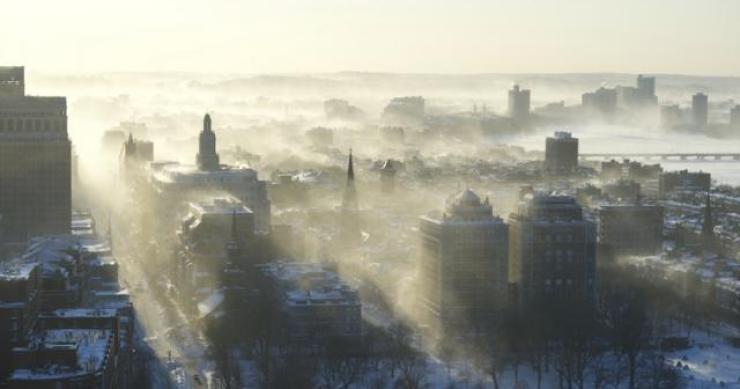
[402, 36]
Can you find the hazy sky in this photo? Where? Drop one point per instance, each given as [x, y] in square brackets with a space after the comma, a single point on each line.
[429, 36]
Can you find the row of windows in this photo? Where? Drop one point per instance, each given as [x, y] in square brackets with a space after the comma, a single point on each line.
[32, 114]
[32, 125]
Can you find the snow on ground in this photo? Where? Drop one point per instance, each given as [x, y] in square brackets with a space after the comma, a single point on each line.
[710, 363]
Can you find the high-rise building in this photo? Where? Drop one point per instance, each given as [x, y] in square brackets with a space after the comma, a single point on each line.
[603, 101]
[735, 117]
[207, 157]
[35, 161]
[552, 250]
[646, 85]
[12, 81]
[639, 97]
[699, 110]
[561, 154]
[464, 263]
[519, 103]
[631, 229]
[671, 116]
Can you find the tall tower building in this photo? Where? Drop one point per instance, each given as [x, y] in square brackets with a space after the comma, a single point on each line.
[207, 158]
[552, 250]
[646, 85]
[699, 110]
[561, 154]
[735, 117]
[35, 161]
[464, 264]
[519, 103]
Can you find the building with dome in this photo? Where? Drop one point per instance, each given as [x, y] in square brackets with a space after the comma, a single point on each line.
[464, 264]
[173, 183]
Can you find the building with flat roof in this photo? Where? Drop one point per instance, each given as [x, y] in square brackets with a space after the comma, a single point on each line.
[684, 180]
[12, 81]
[602, 101]
[552, 250]
[735, 117]
[561, 154]
[699, 110]
[519, 103]
[35, 161]
[19, 307]
[314, 303]
[463, 268]
[66, 358]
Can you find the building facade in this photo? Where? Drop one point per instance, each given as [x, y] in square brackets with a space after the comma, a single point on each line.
[519, 103]
[464, 264]
[561, 154]
[552, 250]
[699, 110]
[35, 161]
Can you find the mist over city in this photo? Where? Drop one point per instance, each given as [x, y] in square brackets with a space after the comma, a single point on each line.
[354, 194]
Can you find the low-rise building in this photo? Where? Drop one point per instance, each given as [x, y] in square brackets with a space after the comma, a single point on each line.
[314, 303]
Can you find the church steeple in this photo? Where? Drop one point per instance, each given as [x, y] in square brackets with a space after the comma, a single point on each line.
[349, 201]
[207, 158]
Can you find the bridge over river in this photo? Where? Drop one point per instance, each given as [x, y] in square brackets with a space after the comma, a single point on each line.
[692, 157]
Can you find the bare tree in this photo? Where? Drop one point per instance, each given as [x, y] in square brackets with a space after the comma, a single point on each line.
[341, 365]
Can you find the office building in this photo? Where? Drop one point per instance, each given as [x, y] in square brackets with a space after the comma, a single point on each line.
[646, 85]
[603, 102]
[552, 250]
[683, 180]
[464, 264]
[699, 110]
[735, 117]
[671, 116]
[519, 103]
[561, 154]
[35, 161]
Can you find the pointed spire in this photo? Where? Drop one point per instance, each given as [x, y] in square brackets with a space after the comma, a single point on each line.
[349, 201]
[207, 122]
[350, 168]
